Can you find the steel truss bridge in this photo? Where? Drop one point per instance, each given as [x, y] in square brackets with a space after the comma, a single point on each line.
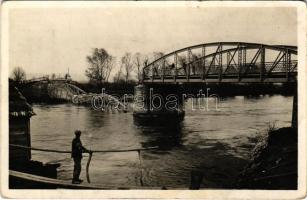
[231, 62]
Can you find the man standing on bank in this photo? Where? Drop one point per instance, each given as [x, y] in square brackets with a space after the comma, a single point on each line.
[76, 153]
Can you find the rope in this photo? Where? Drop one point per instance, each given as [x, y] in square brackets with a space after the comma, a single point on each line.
[38, 149]
[94, 151]
[90, 156]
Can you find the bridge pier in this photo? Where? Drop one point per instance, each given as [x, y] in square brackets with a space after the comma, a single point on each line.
[156, 103]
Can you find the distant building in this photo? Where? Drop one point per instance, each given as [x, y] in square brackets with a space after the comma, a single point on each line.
[20, 113]
[67, 77]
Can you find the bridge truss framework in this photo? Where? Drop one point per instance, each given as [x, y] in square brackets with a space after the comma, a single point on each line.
[225, 62]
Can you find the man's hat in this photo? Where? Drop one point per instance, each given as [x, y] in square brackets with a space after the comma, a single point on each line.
[77, 132]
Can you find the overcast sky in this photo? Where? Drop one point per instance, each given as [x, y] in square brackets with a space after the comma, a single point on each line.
[50, 40]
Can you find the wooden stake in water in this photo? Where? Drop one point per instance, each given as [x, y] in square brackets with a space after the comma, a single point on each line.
[88, 166]
[141, 170]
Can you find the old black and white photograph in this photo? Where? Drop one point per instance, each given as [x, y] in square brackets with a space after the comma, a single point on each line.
[153, 96]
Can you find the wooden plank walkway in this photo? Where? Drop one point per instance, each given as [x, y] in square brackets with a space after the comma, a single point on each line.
[68, 185]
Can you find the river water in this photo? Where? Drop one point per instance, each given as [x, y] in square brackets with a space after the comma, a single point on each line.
[217, 142]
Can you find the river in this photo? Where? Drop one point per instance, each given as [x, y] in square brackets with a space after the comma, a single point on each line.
[217, 142]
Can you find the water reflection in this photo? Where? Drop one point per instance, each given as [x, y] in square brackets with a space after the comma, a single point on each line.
[95, 118]
[165, 137]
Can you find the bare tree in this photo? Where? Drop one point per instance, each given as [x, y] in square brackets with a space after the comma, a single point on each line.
[118, 77]
[139, 62]
[157, 55]
[53, 76]
[186, 64]
[126, 63]
[101, 64]
[182, 59]
[110, 65]
[18, 74]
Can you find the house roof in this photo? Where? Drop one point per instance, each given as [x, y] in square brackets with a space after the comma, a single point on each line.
[18, 105]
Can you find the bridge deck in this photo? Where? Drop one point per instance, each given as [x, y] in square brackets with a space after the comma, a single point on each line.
[214, 78]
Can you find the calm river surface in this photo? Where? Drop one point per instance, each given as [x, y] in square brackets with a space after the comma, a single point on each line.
[216, 142]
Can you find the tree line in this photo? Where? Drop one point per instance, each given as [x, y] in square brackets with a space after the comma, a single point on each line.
[101, 64]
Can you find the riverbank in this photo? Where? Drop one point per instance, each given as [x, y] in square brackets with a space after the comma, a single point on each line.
[274, 162]
[38, 92]
[221, 89]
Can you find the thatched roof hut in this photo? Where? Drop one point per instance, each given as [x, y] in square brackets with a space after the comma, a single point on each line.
[20, 113]
[18, 105]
